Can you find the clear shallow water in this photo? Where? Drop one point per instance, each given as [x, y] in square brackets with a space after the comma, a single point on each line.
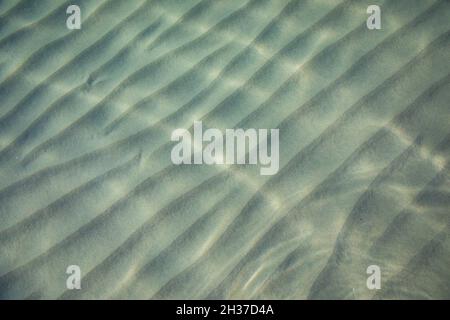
[85, 170]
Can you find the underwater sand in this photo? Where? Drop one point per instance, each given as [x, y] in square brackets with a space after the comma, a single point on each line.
[86, 177]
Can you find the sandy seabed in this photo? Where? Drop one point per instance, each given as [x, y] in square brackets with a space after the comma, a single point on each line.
[85, 171]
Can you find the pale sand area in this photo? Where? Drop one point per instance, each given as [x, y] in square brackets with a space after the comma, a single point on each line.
[85, 172]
